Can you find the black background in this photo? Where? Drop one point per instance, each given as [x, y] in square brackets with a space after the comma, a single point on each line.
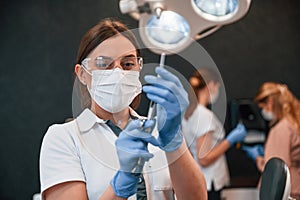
[39, 40]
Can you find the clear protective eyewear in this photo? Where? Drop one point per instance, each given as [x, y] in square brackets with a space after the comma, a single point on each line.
[105, 63]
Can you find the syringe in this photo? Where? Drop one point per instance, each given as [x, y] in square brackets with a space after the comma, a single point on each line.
[152, 105]
[151, 115]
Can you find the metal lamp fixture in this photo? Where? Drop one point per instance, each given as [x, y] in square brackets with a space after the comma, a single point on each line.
[171, 25]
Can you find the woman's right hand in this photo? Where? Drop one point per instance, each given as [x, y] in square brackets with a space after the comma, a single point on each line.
[132, 152]
[254, 151]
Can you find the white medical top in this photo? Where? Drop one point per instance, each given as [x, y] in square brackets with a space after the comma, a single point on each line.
[84, 150]
[200, 122]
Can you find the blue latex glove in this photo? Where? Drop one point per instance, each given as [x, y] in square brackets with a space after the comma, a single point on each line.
[132, 152]
[237, 134]
[172, 100]
[254, 151]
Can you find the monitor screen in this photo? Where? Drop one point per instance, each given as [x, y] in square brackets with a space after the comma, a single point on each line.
[247, 112]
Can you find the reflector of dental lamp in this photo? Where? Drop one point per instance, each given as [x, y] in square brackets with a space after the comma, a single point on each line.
[216, 8]
[172, 25]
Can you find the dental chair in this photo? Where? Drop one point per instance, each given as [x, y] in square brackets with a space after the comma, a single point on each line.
[275, 181]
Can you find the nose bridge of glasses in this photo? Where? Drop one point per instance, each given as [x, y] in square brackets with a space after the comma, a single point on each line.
[116, 63]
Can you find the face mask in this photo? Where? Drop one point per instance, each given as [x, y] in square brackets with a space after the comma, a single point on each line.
[214, 97]
[114, 90]
[267, 115]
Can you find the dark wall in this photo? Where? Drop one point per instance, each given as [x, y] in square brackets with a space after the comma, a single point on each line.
[39, 41]
[263, 46]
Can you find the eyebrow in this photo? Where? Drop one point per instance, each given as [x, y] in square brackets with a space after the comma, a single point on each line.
[126, 56]
[130, 55]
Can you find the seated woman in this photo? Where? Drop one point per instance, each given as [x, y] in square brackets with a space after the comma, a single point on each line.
[282, 109]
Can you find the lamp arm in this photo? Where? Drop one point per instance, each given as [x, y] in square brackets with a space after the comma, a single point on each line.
[207, 32]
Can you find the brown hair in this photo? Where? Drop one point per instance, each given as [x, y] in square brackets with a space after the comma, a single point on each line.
[105, 29]
[199, 81]
[285, 104]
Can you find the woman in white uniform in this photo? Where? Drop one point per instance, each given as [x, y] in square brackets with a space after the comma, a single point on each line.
[101, 154]
[204, 133]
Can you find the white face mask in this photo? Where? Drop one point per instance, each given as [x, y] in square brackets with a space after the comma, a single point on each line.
[114, 90]
[214, 97]
[269, 116]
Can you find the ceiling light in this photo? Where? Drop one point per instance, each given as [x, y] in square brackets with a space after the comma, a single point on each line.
[171, 25]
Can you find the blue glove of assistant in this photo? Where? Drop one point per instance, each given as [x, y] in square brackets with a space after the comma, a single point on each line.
[132, 152]
[172, 100]
[237, 134]
[254, 151]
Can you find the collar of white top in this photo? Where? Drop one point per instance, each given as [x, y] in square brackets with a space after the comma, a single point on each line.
[87, 119]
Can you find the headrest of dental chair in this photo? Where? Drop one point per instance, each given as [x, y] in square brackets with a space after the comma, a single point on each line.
[275, 181]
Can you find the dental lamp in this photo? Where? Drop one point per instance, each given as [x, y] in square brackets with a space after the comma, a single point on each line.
[171, 25]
